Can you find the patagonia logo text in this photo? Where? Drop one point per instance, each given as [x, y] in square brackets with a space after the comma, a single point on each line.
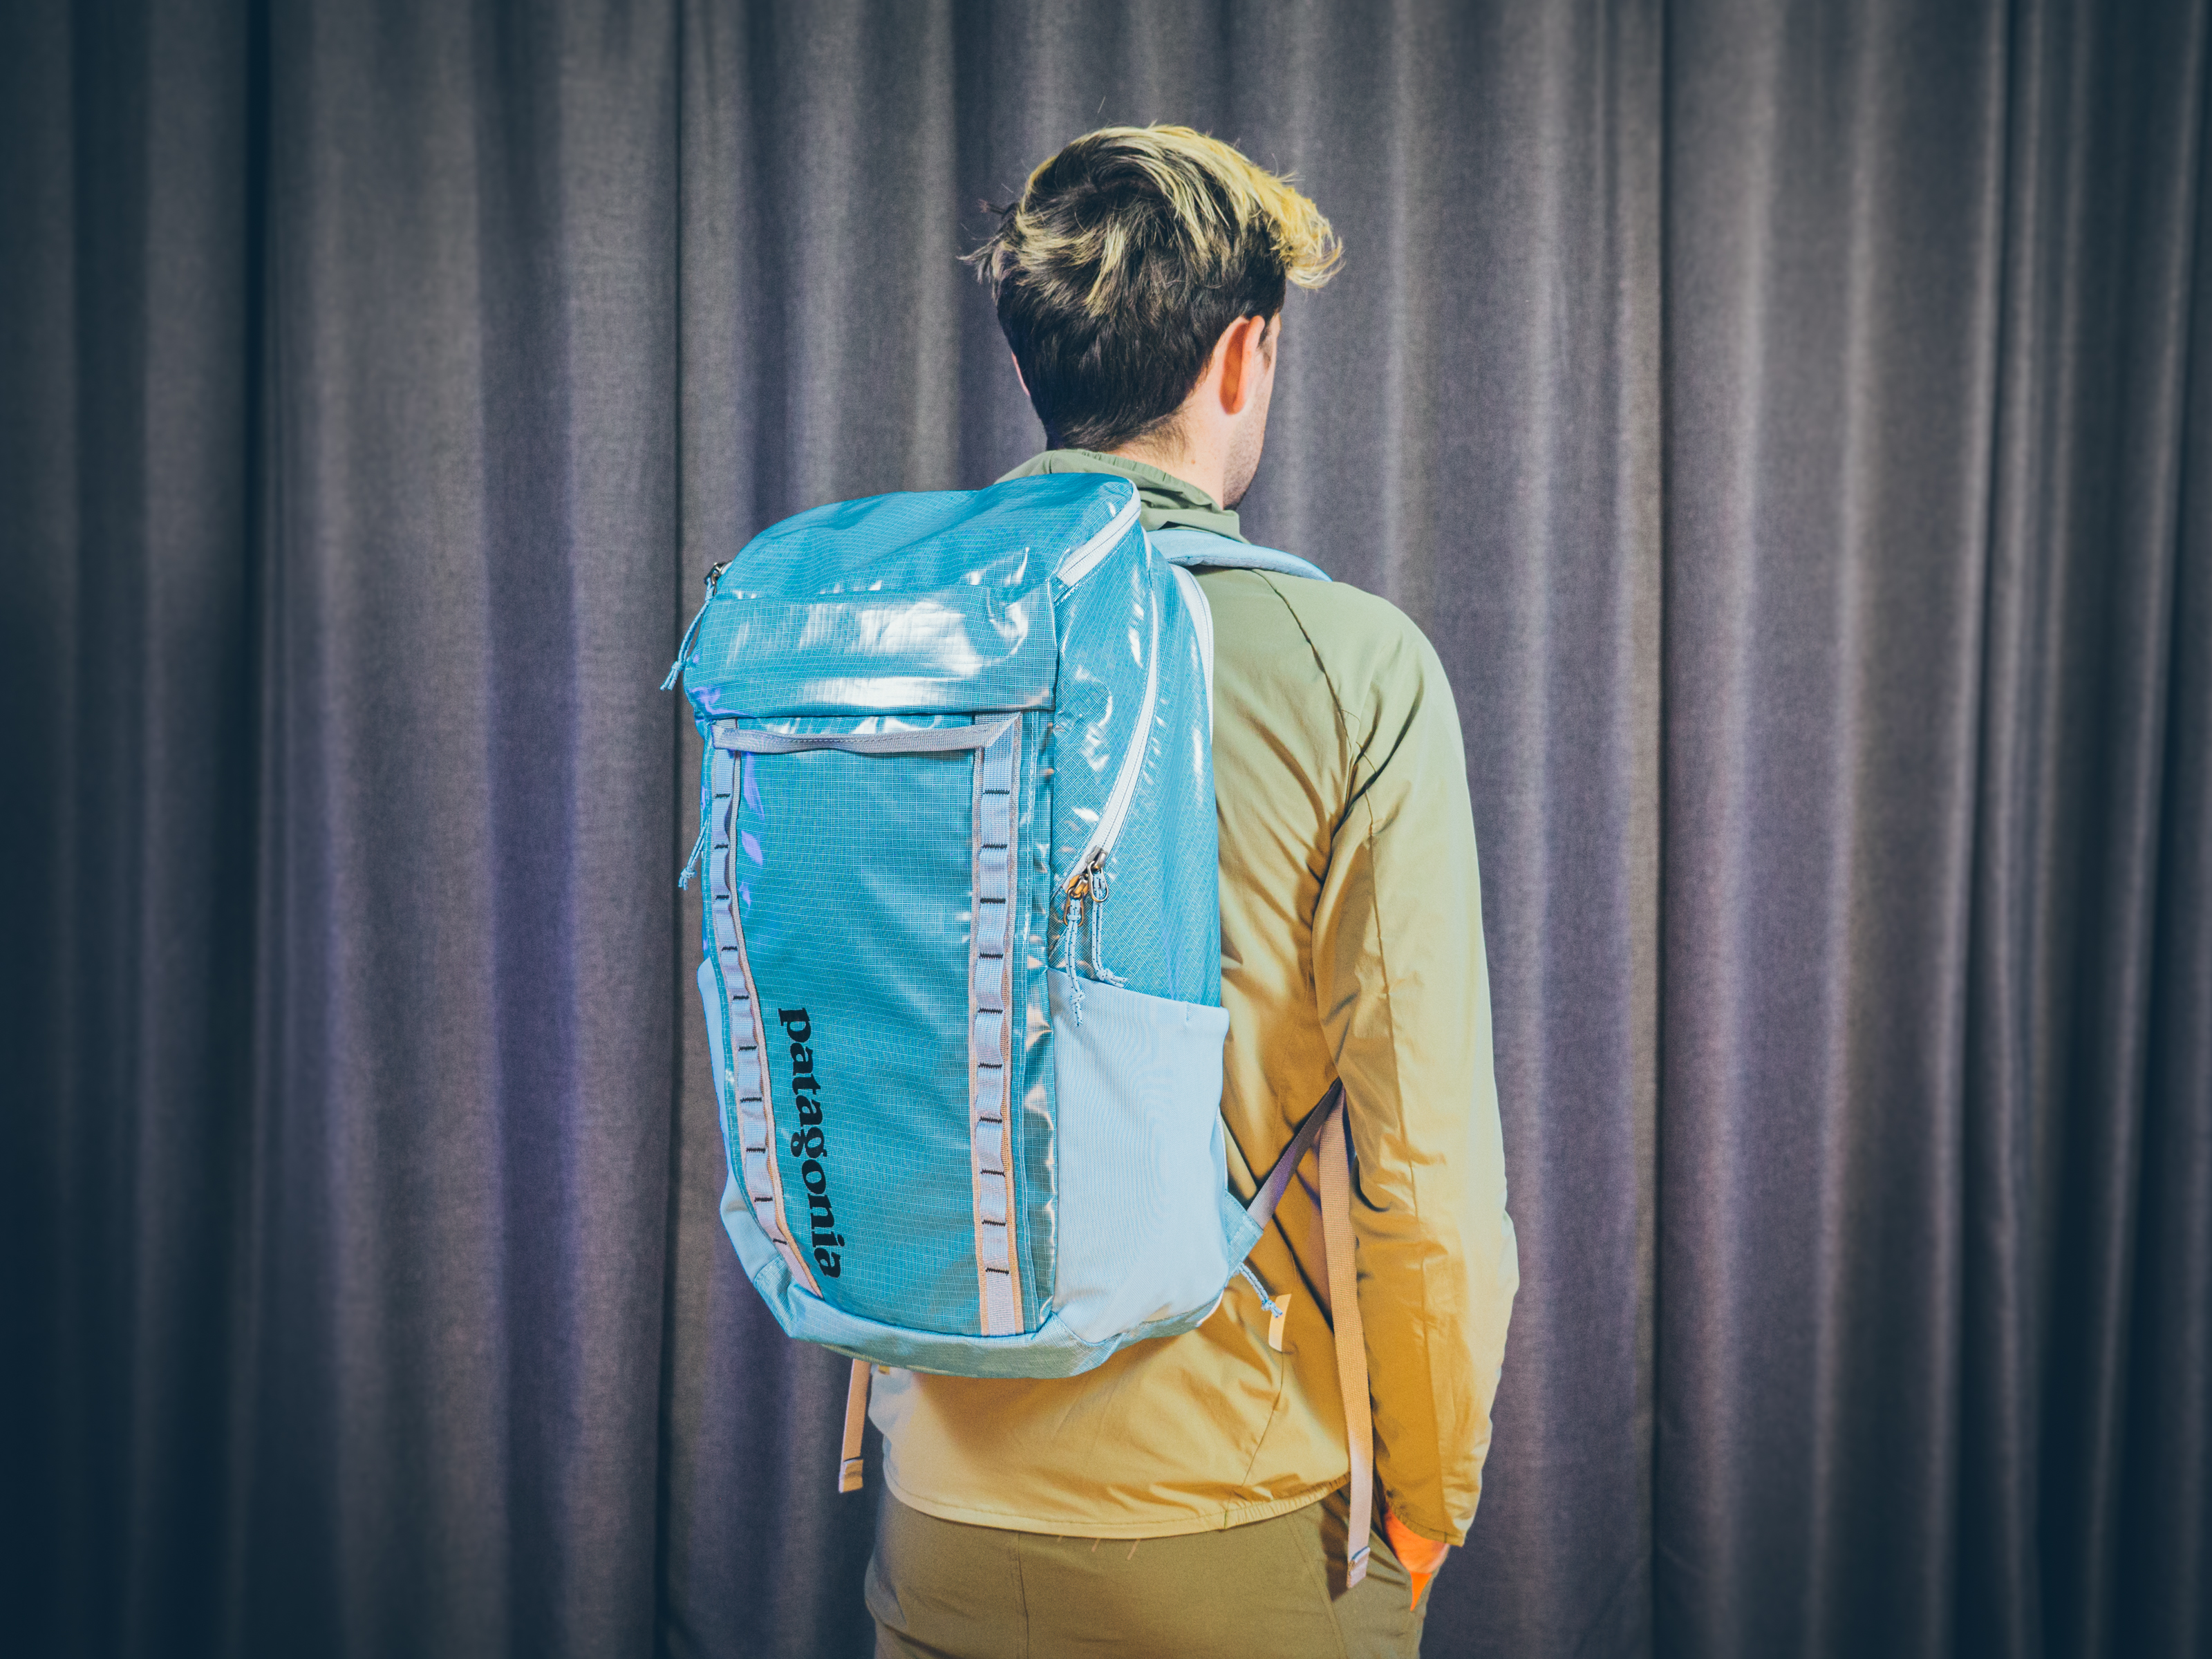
[810, 1146]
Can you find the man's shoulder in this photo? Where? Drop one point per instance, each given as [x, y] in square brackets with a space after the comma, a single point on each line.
[1360, 641]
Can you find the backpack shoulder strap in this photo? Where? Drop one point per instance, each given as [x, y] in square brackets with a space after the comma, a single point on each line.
[1181, 545]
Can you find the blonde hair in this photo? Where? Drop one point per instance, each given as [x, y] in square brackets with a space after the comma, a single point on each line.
[1126, 255]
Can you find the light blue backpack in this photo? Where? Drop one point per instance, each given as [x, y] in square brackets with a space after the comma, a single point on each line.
[962, 935]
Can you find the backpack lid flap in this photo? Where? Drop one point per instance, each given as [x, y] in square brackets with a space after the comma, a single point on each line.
[956, 649]
[920, 602]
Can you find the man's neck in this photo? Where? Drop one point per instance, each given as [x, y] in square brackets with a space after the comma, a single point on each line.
[1169, 501]
[1200, 473]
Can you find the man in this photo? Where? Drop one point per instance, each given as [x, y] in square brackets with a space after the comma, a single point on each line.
[1187, 1497]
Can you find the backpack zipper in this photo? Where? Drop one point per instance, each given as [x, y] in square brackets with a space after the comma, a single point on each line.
[1075, 566]
[1085, 889]
[1086, 883]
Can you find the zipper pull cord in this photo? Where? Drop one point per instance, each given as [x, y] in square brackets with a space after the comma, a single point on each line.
[1098, 924]
[1097, 894]
[1086, 892]
[1072, 935]
[706, 822]
[1277, 1312]
[691, 633]
[1253, 1279]
[1071, 940]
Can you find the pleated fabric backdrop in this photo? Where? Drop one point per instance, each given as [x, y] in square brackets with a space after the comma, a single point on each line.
[1793, 424]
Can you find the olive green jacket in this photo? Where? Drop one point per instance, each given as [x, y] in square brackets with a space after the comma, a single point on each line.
[1351, 947]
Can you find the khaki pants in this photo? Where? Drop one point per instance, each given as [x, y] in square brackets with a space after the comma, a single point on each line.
[942, 1590]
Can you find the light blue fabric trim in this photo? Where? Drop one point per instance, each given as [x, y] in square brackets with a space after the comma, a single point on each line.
[924, 740]
[1242, 1230]
[1030, 1161]
[1181, 544]
[743, 1065]
[995, 866]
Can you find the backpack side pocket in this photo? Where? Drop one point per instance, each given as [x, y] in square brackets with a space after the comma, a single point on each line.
[1142, 1161]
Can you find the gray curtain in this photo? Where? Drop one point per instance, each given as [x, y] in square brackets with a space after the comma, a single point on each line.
[1793, 424]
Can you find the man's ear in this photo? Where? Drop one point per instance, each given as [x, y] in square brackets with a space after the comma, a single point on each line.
[1246, 350]
[1019, 375]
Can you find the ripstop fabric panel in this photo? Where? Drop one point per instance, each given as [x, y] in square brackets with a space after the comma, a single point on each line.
[851, 881]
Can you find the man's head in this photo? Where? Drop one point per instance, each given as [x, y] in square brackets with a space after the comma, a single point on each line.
[1141, 265]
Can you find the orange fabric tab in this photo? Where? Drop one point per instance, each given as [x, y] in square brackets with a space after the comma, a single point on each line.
[1422, 1556]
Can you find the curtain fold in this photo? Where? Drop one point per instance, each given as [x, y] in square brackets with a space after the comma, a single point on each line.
[1833, 299]
[1792, 425]
[127, 713]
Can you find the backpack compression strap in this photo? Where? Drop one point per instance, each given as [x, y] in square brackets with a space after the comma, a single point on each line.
[1327, 1126]
[1351, 1336]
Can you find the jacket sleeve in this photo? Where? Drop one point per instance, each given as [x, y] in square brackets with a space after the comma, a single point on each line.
[1404, 1001]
